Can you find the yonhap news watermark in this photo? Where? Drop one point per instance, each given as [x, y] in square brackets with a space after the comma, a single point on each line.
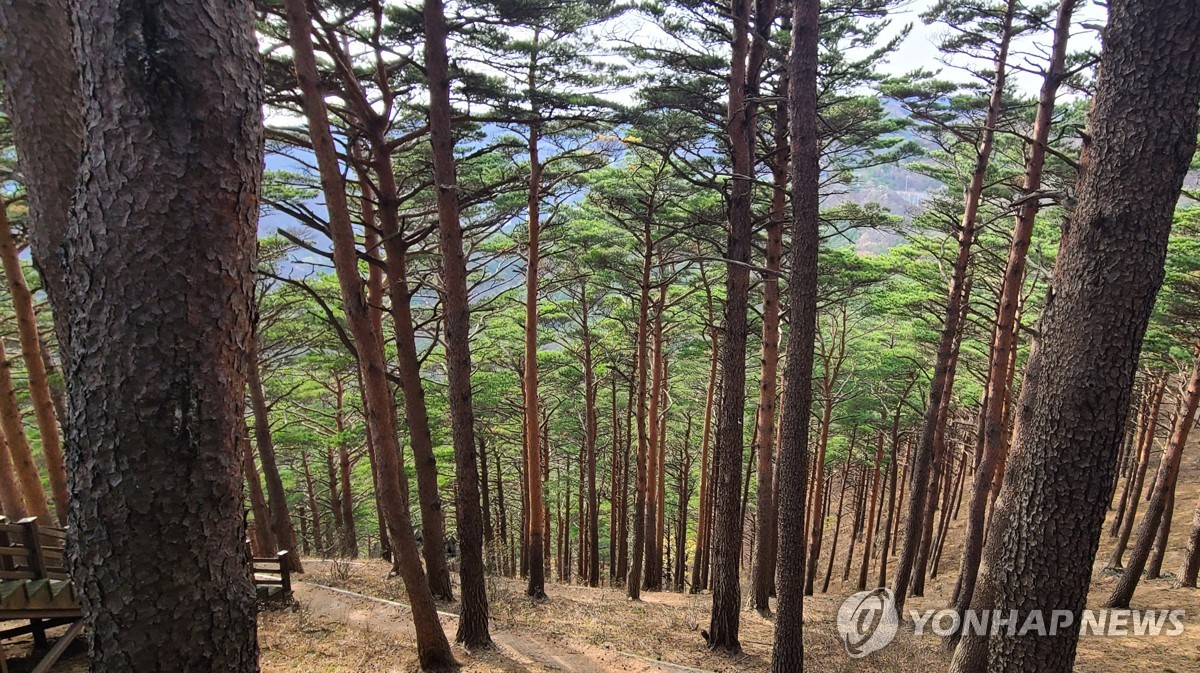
[867, 622]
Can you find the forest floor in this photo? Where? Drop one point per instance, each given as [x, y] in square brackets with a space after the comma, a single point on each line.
[584, 630]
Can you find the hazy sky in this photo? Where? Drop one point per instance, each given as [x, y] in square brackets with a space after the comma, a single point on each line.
[919, 49]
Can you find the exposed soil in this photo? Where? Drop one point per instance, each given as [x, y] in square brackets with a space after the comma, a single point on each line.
[584, 630]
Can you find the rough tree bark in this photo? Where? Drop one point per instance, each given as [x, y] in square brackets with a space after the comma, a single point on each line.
[1070, 415]
[473, 619]
[171, 165]
[41, 78]
[727, 521]
[792, 469]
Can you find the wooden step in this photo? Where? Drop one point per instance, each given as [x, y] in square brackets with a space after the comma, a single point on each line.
[10, 590]
[38, 592]
[269, 592]
[62, 594]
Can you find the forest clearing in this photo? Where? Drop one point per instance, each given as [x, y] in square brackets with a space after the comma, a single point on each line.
[592, 336]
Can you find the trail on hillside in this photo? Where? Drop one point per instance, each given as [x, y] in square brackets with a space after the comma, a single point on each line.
[516, 651]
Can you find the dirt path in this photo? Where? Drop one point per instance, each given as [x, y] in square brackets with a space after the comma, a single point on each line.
[515, 652]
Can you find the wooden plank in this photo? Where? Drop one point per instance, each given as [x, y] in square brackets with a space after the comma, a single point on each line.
[285, 572]
[33, 543]
[14, 551]
[60, 646]
[15, 575]
[39, 613]
[28, 628]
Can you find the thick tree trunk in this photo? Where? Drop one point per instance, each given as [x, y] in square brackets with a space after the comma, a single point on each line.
[473, 616]
[171, 166]
[926, 447]
[45, 108]
[727, 521]
[1164, 488]
[433, 650]
[1142, 135]
[791, 472]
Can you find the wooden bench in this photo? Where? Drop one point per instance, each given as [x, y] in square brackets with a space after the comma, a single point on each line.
[35, 586]
[272, 577]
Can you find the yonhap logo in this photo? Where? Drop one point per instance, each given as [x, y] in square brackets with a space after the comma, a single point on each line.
[867, 622]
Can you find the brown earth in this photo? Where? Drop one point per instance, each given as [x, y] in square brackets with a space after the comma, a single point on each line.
[584, 630]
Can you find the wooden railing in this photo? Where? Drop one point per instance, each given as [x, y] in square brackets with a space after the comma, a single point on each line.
[32, 551]
[271, 572]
